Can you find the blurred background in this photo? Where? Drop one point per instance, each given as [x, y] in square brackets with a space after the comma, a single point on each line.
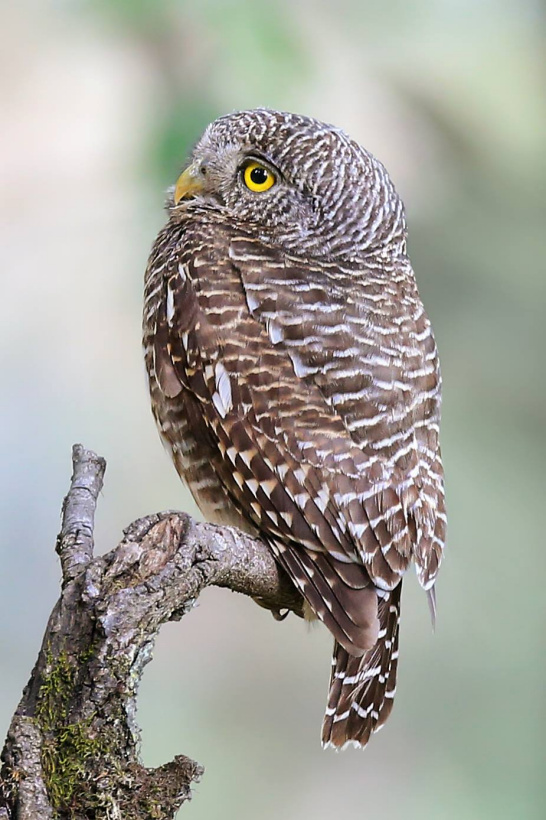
[101, 100]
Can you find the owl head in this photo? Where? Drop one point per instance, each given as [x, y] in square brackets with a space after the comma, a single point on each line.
[298, 183]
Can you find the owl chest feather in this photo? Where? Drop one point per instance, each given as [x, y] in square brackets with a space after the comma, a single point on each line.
[336, 367]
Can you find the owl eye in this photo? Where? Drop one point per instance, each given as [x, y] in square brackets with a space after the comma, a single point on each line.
[257, 177]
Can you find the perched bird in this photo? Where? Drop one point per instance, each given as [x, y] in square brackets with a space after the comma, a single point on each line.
[294, 377]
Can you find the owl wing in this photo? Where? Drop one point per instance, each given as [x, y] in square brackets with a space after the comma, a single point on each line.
[362, 338]
[283, 452]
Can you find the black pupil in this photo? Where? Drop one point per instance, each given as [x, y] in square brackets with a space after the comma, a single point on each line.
[259, 176]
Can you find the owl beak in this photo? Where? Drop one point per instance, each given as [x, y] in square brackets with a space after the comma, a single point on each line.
[188, 184]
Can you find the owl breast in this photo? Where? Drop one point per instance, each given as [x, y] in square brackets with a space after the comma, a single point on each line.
[336, 365]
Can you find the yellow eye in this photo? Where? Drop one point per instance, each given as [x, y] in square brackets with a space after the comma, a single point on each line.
[257, 177]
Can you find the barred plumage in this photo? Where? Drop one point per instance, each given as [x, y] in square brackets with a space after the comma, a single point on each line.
[295, 378]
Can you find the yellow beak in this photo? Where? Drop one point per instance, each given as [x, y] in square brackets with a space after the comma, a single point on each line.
[188, 184]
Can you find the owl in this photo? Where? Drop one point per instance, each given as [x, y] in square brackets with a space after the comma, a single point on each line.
[294, 378]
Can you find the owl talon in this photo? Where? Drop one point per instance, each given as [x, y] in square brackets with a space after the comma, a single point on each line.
[279, 614]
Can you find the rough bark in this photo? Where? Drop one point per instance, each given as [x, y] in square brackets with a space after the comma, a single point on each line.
[72, 750]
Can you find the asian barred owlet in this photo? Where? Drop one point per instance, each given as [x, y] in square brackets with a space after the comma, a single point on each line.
[294, 377]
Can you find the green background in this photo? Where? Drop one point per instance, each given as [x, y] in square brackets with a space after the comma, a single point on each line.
[100, 103]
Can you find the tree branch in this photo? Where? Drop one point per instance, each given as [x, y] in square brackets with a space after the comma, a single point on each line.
[72, 747]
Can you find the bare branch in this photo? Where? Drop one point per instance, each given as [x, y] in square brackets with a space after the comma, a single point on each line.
[75, 541]
[72, 748]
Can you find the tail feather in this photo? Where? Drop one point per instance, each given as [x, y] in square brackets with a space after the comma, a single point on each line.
[340, 594]
[362, 688]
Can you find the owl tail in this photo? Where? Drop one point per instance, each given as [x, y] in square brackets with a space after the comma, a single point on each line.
[362, 688]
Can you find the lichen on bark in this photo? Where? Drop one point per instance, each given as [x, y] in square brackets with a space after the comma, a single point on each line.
[72, 750]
